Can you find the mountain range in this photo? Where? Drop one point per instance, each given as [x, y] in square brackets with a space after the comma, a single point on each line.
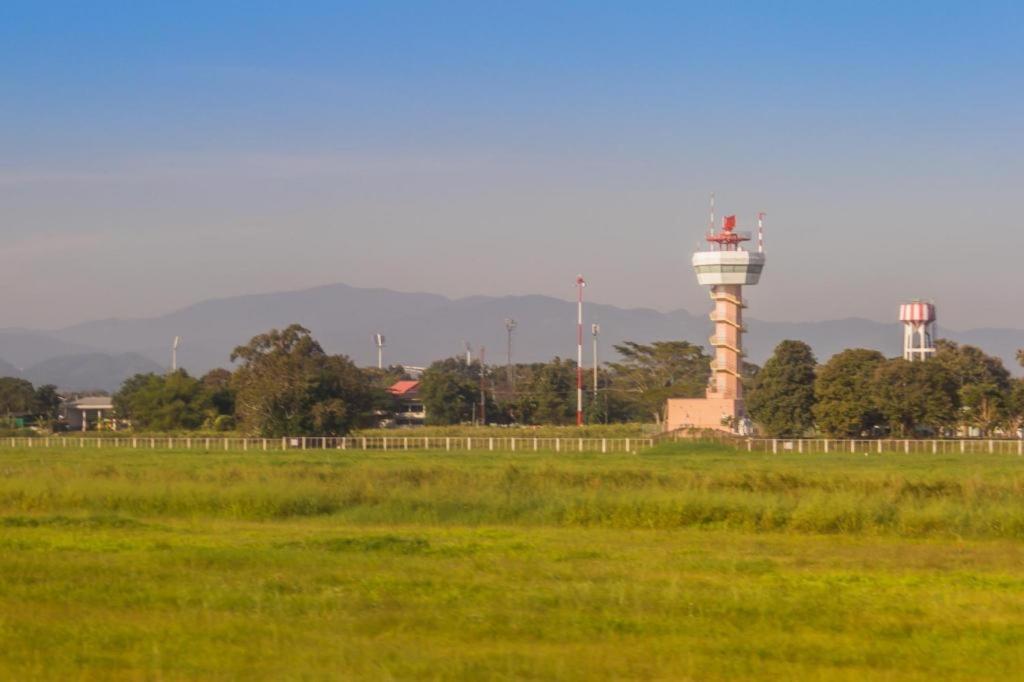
[419, 328]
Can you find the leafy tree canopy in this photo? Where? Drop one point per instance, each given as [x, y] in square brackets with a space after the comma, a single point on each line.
[916, 396]
[449, 388]
[781, 398]
[287, 385]
[650, 374]
[171, 402]
[17, 397]
[844, 391]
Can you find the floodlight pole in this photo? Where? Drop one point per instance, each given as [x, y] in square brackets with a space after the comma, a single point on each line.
[174, 354]
[380, 341]
[510, 326]
[483, 395]
[595, 329]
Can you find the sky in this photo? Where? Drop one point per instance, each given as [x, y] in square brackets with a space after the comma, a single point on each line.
[153, 154]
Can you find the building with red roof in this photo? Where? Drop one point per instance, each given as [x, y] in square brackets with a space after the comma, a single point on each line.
[409, 410]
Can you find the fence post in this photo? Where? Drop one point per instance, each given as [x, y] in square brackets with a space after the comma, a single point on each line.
[448, 444]
[579, 446]
[800, 446]
[490, 444]
[469, 443]
[775, 446]
[990, 447]
[513, 442]
[535, 444]
[558, 445]
[604, 445]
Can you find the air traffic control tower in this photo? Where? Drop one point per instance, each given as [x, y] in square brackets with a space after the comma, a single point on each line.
[726, 267]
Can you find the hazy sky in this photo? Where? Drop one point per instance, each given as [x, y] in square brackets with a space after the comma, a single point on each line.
[156, 154]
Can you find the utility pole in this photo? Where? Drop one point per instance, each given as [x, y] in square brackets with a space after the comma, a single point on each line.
[580, 283]
[469, 353]
[595, 329]
[483, 395]
[510, 326]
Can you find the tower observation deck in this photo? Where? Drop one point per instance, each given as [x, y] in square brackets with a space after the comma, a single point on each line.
[726, 267]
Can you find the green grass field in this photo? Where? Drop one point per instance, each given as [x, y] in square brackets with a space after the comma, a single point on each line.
[684, 562]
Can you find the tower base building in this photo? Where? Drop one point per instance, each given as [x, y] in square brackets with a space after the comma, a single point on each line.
[725, 267]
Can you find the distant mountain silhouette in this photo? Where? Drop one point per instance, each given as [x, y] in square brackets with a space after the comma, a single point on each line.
[421, 328]
[89, 371]
[9, 370]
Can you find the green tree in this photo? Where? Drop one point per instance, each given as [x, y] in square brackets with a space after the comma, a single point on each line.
[983, 384]
[844, 393]
[47, 404]
[171, 402]
[648, 375]
[287, 385]
[220, 400]
[1015, 406]
[17, 397]
[915, 397]
[781, 399]
[552, 393]
[449, 389]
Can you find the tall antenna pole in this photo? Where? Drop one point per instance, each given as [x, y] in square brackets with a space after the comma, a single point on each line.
[711, 219]
[510, 326]
[379, 340]
[469, 354]
[760, 232]
[580, 283]
[595, 329]
[483, 396]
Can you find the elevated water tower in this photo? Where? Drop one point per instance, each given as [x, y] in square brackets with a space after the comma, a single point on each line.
[918, 320]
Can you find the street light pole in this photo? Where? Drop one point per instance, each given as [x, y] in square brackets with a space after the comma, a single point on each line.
[595, 329]
[510, 326]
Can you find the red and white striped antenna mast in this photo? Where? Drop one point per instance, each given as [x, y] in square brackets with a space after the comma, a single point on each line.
[760, 232]
[580, 284]
[711, 218]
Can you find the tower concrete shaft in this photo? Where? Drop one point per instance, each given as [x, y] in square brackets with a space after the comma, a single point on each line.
[727, 366]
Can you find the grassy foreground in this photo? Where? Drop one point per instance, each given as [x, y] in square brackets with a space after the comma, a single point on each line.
[684, 562]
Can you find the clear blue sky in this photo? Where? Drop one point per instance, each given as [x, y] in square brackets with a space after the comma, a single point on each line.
[155, 154]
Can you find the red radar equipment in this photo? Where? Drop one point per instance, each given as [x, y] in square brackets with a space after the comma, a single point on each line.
[728, 239]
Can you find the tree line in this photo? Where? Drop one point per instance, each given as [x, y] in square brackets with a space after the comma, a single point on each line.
[284, 383]
[861, 393]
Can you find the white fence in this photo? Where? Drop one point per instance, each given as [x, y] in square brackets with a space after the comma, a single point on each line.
[907, 446]
[517, 444]
[383, 443]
